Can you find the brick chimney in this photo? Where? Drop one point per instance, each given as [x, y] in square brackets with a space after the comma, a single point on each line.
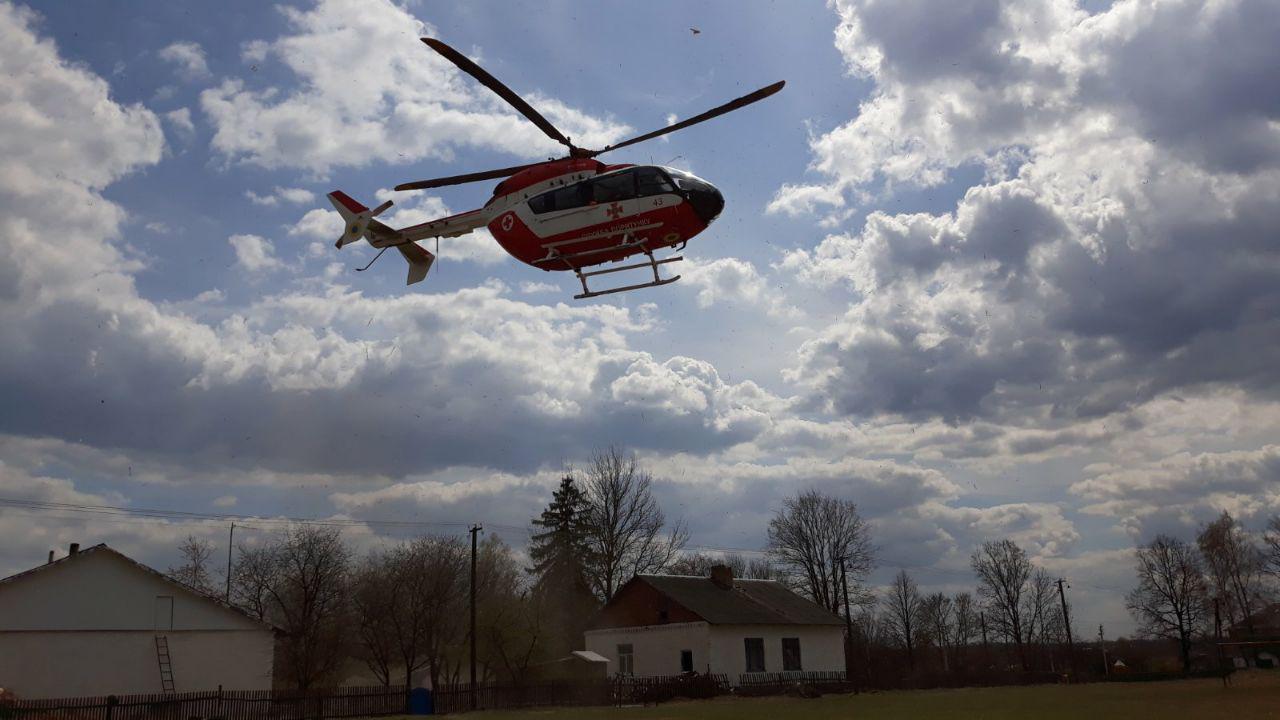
[50, 556]
[722, 576]
[75, 548]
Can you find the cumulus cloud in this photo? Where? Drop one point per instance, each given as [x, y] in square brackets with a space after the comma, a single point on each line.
[188, 57]
[725, 280]
[295, 196]
[369, 91]
[1184, 489]
[254, 253]
[180, 119]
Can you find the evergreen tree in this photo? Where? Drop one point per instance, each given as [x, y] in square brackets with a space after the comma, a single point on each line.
[559, 554]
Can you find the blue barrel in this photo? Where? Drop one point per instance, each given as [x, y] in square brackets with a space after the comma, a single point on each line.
[420, 702]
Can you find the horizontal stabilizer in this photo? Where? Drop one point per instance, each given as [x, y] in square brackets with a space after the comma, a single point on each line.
[419, 260]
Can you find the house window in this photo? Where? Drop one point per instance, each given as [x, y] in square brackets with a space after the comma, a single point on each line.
[791, 654]
[686, 661]
[626, 660]
[755, 654]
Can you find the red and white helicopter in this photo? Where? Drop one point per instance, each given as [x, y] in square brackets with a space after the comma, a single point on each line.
[567, 214]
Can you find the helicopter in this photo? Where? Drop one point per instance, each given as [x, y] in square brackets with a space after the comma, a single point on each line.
[572, 213]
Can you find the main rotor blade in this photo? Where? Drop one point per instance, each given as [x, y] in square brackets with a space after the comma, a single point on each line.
[460, 179]
[730, 106]
[464, 63]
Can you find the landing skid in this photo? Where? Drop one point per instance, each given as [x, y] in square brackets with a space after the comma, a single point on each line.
[652, 263]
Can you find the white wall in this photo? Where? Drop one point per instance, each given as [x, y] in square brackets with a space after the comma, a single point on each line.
[74, 664]
[721, 647]
[821, 647]
[656, 648]
[87, 626]
[102, 591]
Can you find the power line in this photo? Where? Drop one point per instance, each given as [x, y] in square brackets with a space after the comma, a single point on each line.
[131, 515]
[161, 514]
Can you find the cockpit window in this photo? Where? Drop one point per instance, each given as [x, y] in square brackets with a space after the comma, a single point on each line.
[565, 198]
[652, 181]
[612, 188]
[689, 181]
[640, 182]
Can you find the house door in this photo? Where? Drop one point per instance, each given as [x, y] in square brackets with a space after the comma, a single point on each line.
[164, 613]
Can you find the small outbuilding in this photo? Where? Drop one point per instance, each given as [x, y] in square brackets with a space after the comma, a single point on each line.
[670, 624]
[97, 623]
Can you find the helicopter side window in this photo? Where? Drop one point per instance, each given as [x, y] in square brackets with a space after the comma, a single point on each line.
[652, 181]
[566, 198]
[611, 188]
[543, 203]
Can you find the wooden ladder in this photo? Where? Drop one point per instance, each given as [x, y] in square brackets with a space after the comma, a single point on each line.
[166, 664]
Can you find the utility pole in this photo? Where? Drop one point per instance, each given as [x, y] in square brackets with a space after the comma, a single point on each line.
[1217, 636]
[848, 624]
[474, 530]
[1066, 622]
[1102, 643]
[231, 539]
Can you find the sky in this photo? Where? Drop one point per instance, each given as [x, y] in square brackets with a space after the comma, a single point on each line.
[988, 269]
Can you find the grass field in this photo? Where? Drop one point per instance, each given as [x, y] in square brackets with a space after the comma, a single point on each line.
[1251, 695]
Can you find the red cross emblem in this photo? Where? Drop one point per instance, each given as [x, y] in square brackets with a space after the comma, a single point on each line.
[613, 211]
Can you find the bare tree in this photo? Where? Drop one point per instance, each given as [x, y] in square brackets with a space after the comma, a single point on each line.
[299, 584]
[938, 613]
[761, 569]
[197, 560]
[511, 623]
[627, 532]
[1171, 598]
[1235, 567]
[256, 569]
[966, 623]
[406, 599]
[700, 564]
[1042, 621]
[1272, 540]
[904, 613]
[810, 536]
[1004, 574]
[374, 591]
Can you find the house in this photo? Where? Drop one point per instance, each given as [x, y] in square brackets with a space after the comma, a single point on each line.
[668, 624]
[96, 623]
[1256, 641]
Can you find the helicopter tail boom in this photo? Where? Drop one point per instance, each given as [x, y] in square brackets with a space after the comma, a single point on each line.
[359, 223]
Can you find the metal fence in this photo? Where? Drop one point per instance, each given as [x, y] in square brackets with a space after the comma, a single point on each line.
[341, 702]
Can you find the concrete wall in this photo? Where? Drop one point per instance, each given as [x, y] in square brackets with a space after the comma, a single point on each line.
[74, 664]
[718, 647]
[87, 626]
[656, 648]
[821, 647]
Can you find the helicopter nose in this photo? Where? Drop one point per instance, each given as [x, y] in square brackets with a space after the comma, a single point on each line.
[707, 202]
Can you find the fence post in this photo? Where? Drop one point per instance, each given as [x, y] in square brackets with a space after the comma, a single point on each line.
[112, 700]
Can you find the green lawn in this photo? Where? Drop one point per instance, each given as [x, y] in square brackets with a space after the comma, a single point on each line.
[1252, 695]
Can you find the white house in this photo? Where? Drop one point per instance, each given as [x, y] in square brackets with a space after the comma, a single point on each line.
[668, 624]
[96, 623]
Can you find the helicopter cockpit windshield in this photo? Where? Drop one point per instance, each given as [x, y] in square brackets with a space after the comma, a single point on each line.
[607, 188]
